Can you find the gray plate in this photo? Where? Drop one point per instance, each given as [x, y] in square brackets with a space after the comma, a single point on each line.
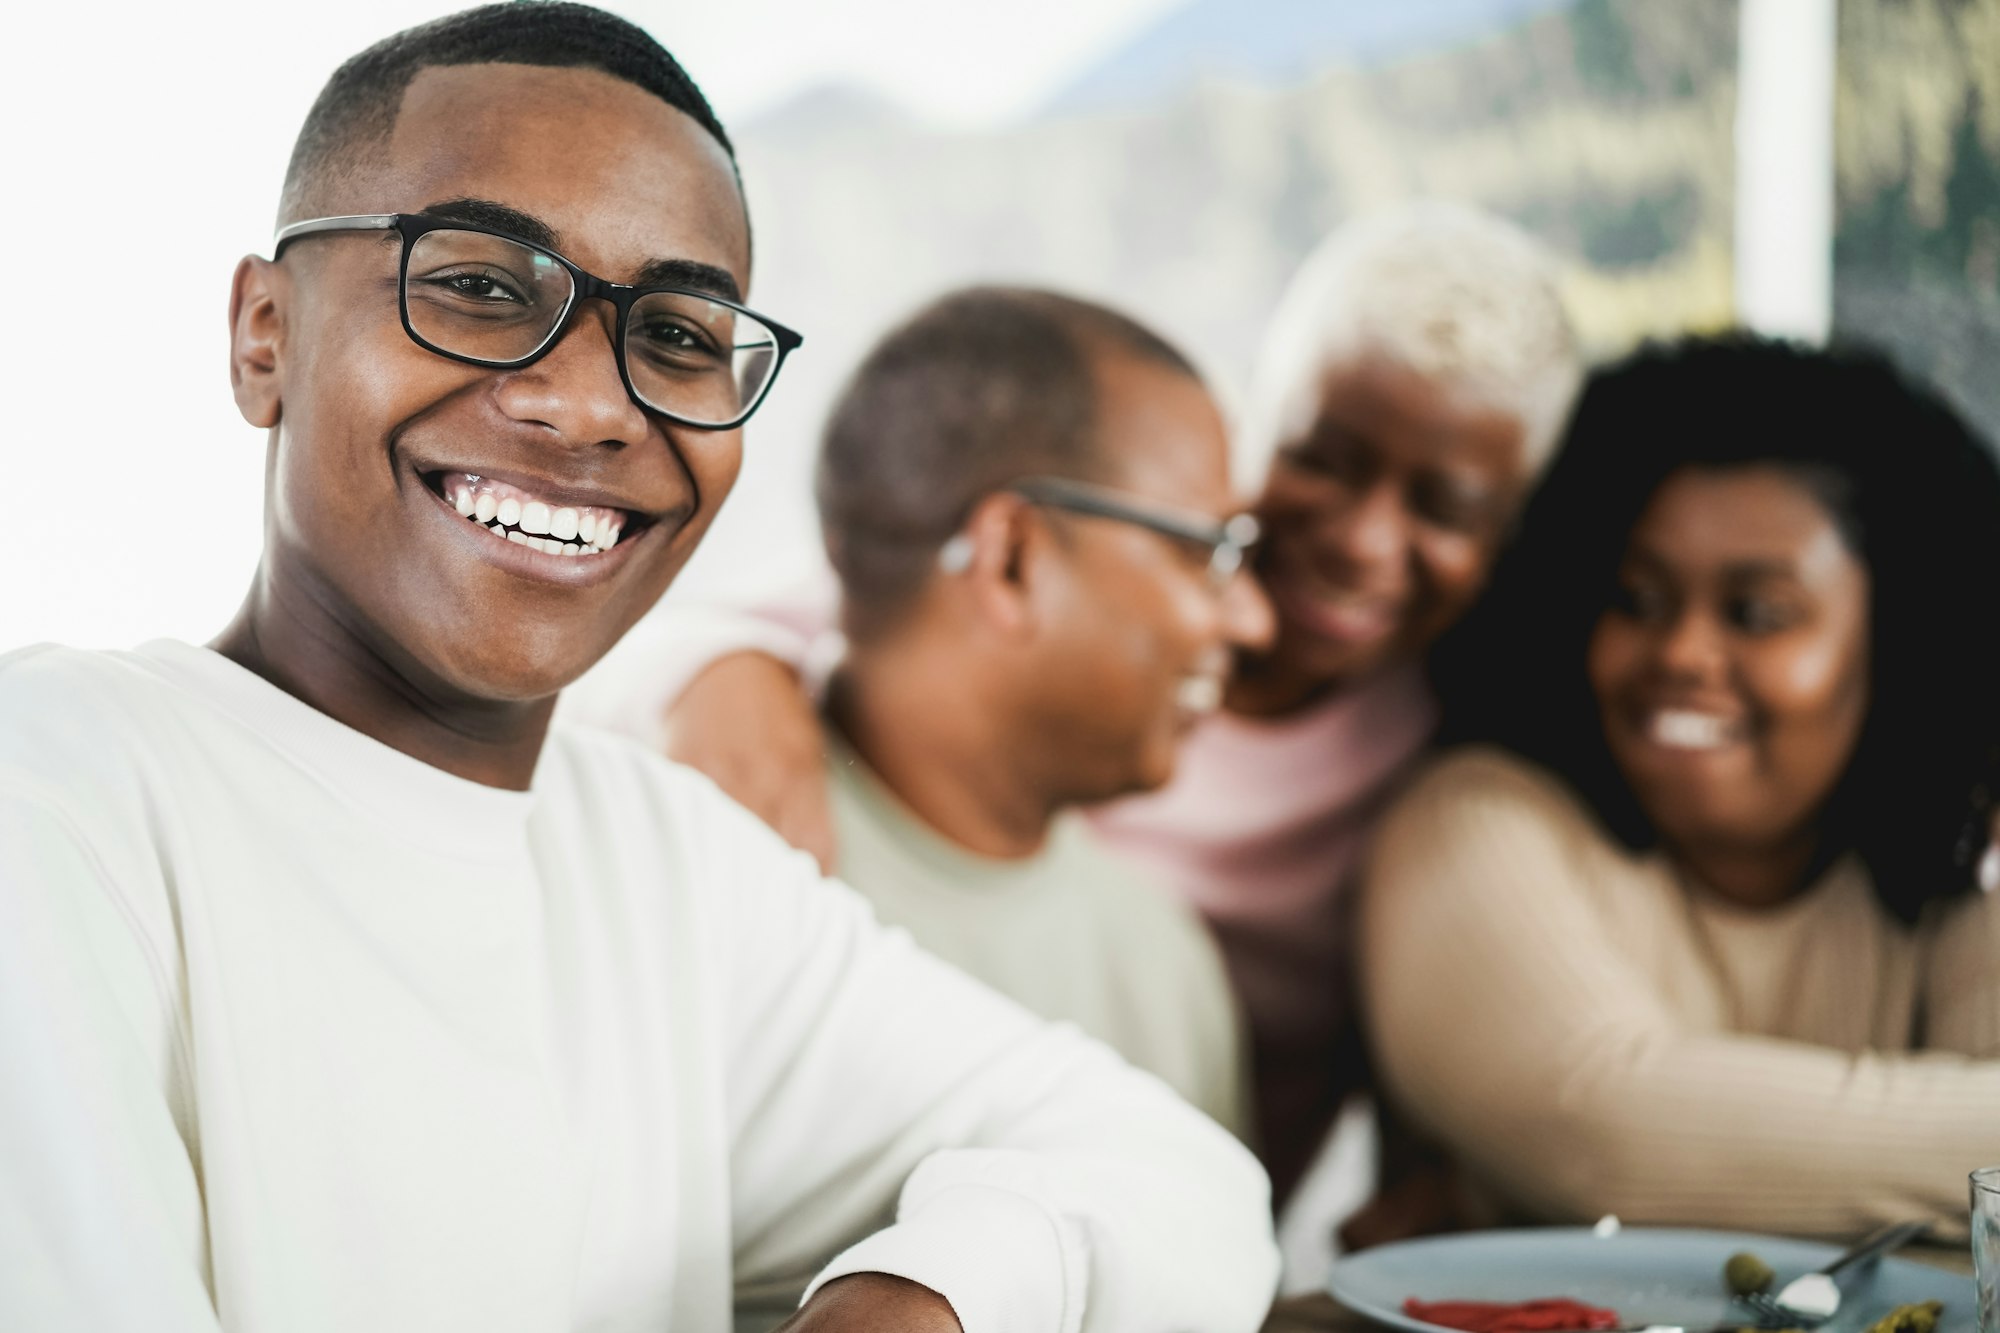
[1649, 1275]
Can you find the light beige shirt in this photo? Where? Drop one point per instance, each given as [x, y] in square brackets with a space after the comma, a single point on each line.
[1073, 933]
[1592, 1033]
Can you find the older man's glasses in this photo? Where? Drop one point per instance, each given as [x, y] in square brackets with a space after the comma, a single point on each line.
[1228, 542]
[489, 299]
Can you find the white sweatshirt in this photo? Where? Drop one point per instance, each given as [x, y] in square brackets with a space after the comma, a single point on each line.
[298, 1033]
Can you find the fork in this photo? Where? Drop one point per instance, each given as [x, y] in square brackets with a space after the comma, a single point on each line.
[1807, 1302]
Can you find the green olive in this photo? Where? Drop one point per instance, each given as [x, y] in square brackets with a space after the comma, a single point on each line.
[1746, 1274]
[1909, 1319]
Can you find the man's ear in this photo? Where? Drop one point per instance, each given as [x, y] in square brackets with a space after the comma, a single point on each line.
[998, 537]
[255, 332]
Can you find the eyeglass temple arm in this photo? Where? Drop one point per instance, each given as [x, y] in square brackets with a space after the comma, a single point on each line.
[1085, 498]
[350, 222]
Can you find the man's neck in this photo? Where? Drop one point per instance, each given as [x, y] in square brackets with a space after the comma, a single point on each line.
[292, 641]
[916, 722]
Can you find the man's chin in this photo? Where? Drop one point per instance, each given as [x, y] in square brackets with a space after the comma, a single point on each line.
[514, 673]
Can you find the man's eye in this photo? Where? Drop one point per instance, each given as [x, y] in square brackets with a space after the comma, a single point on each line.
[677, 338]
[477, 286]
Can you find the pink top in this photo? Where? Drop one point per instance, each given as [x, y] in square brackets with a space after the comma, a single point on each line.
[1262, 829]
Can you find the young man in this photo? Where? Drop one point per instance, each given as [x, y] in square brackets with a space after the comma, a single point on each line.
[338, 992]
[1026, 499]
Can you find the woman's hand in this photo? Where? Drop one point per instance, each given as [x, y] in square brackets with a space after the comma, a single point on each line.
[746, 722]
[873, 1303]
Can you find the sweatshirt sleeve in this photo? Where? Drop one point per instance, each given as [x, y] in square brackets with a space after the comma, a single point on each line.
[1021, 1170]
[1509, 1018]
[100, 1210]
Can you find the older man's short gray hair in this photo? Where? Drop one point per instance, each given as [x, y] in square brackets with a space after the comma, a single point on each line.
[1455, 295]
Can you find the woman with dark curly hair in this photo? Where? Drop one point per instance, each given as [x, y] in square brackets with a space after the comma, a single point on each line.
[1687, 930]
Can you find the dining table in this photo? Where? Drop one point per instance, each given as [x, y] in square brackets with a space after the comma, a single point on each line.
[1318, 1312]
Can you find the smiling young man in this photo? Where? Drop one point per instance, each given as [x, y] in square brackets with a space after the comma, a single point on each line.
[337, 991]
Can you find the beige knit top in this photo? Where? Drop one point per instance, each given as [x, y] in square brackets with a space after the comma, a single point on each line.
[1591, 1033]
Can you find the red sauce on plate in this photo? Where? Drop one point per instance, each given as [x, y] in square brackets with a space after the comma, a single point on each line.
[1557, 1314]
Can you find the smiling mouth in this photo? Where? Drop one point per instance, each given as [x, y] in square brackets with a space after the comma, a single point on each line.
[1687, 729]
[514, 515]
[1335, 613]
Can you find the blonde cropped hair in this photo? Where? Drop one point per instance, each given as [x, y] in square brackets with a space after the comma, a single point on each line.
[1457, 296]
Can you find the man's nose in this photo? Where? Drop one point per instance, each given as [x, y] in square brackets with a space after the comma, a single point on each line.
[1247, 618]
[576, 389]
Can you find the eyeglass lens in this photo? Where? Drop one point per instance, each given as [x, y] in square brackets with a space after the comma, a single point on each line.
[496, 300]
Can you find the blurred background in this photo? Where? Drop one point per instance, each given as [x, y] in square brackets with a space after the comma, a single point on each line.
[1799, 165]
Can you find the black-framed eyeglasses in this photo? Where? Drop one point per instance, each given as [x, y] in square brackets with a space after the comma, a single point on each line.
[487, 298]
[1228, 542]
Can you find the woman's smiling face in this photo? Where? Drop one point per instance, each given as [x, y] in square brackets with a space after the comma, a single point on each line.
[1732, 669]
[1381, 520]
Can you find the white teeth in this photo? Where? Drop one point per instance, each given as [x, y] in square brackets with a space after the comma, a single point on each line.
[554, 529]
[1684, 730]
[1199, 694]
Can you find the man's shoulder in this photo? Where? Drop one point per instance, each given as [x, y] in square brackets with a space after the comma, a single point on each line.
[1127, 889]
[54, 671]
[59, 703]
[612, 777]
[591, 753]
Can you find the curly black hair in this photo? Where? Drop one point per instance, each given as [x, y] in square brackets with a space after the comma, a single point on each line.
[1913, 492]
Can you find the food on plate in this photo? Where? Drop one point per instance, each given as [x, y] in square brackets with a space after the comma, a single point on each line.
[1922, 1318]
[1745, 1274]
[1554, 1314]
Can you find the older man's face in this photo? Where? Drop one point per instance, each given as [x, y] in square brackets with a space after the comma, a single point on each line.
[377, 436]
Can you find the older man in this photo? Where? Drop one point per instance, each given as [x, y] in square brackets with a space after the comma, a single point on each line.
[1026, 499]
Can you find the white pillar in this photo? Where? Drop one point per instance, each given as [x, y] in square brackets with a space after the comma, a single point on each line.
[1784, 167]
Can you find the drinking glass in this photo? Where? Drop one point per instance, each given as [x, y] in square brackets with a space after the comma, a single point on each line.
[1986, 1245]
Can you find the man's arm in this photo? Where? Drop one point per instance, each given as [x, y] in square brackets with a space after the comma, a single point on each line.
[1023, 1171]
[101, 1224]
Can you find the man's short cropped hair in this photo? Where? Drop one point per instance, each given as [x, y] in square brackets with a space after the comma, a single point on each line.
[357, 108]
[980, 389]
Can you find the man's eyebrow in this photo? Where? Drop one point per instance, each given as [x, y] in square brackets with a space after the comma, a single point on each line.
[688, 273]
[486, 213]
[660, 273]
